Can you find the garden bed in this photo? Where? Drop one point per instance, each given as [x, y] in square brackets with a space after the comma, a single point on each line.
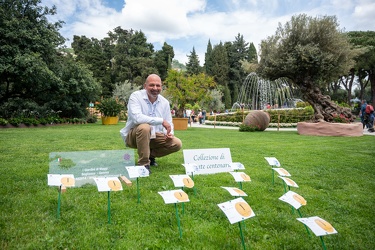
[330, 129]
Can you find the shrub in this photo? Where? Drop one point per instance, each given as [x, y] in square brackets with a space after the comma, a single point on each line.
[30, 121]
[15, 121]
[249, 128]
[92, 119]
[3, 122]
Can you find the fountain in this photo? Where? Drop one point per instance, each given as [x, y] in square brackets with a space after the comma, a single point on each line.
[256, 93]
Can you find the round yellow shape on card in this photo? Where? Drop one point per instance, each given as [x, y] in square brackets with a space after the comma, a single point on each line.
[181, 196]
[300, 199]
[324, 225]
[238, 191]
[188, 182]
[114, 185]
[284, 172]
[243, 208]
[291, 182]
[245, 177]
[67, 181]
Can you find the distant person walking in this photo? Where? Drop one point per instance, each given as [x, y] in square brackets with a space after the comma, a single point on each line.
[362, 112]
[204, 114]
[188, 114]
[369, 117]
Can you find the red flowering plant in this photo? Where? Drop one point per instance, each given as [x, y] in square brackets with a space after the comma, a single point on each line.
[340, 118]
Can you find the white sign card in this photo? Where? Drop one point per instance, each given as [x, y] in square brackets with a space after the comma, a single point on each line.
[293, 199]
[236, 210]
[190, 168]
[319, 226]
[209, 161]
[137, 171]
[272, 161]
[182, 180]
[289, 181]
[240, 176]
[66, 180]
[106, 184]
[174, 196]
[281, 171]
[235, 191]
[237, 166]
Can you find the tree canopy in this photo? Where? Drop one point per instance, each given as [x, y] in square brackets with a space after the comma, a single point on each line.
[311, 52]
[34, 74]
[184, 89]
[365, 61]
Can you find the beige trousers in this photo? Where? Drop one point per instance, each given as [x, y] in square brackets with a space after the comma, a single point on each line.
[139, 138]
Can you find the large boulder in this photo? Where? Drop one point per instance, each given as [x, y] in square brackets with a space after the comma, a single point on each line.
[257, 118]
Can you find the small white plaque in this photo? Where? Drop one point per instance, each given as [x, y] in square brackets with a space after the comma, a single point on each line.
[272, 161]
[174, 196]
[237, 166]
[66, 180]
[289, 181]
[137, 171]
[281, 171]
[240, 176]
[106, 184]
[319, 226]
[293, 199]
[182, 180]
[190, 168]
[235, 191]
[236, 210]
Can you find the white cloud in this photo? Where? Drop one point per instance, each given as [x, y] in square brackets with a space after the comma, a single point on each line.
[185, 24]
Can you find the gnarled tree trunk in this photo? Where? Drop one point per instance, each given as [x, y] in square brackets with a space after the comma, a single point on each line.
[325, 109]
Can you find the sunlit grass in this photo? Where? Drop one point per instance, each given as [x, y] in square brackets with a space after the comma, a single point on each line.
[335, 175]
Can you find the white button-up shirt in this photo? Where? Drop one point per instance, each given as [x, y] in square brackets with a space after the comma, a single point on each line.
[141, 110]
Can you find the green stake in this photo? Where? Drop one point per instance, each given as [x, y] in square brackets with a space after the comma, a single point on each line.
[242, 238]
[109, 208]
[59, 203]
[192, 177]
[307, 229]
[178, 220]
[138, 194]
[273, 177]
[324, 246]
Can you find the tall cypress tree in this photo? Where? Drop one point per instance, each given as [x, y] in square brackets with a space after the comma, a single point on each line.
[237, 51]
[208, 63]
[192, 66]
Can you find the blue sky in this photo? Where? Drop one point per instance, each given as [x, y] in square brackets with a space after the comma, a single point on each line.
[185, 24]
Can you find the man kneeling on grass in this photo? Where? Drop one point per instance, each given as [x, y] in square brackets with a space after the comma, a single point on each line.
[149, 127]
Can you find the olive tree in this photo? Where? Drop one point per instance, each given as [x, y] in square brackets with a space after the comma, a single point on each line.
[311, 52]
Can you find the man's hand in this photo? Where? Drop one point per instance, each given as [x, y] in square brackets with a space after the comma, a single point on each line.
[168, 127]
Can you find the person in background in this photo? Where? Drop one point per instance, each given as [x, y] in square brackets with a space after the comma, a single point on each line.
[204, 113]
[200, 116]
[362, 112]
[369, 118]
[149, 127]
[192, 115]
[188, 114]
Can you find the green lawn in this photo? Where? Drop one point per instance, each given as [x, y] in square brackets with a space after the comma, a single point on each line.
[336, 175]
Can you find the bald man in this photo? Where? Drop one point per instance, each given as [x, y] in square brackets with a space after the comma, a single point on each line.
[149, 127]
